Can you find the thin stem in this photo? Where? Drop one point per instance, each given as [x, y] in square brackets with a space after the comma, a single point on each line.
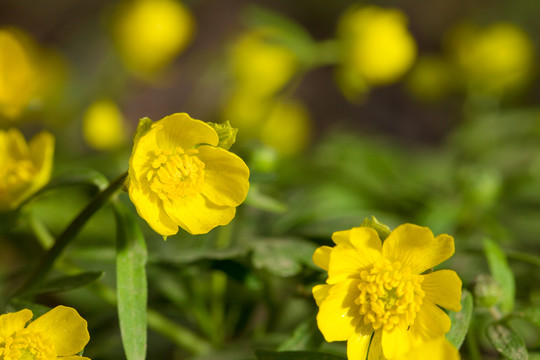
[43, 268]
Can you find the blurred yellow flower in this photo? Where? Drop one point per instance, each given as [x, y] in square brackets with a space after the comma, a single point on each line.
[431, 78]
[261, 66]
[60, 333]
[493, 59]
[103, 125]
[379, 290]
[376, 46]
[149, 34]
[438, 349]
[24, 168]
[179, 177]
[18, 75]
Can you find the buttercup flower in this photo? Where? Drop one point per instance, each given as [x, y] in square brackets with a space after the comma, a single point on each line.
[179, 176]
[59, 334]
[380, 292]
[24, 168]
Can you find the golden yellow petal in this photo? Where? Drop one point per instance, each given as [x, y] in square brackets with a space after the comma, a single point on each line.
[443, 288]
[65, 328]
[368, 243]
[143, 153]
[358, 345]
[11, 322]
[181, 130]
[375, 348]
[226, 176]
[320, 293]
[416, 247]
[431, 321]
[17, 148]
[151, 209]
[321, 257]
[337, 318]
[197, 215]
[342, 237]
[395, 342]
[74, 357]
[439, 348]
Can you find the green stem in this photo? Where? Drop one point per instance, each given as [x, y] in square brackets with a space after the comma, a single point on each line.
[472, 346]
[43, 268]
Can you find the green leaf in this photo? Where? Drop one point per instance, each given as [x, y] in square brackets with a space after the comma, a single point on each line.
[294, 355]
[507, 342]
[67, 283]
[305, 336]
[282, 257]
[502, 273]
[131, 283]
[461, 320]
[532, 314]
[381, 229]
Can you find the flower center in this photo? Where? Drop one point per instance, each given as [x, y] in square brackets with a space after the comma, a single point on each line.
[26, 345]
[176, 174]
[389, 295]
[16, 173]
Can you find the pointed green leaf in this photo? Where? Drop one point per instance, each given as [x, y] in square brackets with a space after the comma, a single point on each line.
[507, 341]
[502, 273]
[461, 320]
[294, 355]
[131, 283]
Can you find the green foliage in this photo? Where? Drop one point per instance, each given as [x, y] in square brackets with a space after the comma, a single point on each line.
[502, 273]
[294, 355]
[507, 341]
[461, 320]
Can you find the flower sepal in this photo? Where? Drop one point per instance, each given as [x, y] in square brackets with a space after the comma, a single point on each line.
[226, 133]
[382, 229]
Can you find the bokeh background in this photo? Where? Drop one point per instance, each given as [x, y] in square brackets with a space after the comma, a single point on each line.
[411, 111]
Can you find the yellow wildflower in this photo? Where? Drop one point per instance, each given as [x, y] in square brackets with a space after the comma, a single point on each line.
[103, 125]
[379, 292]
[60, 333]
[180, 177]
[24, 168]
[150, 33]
[377, 48]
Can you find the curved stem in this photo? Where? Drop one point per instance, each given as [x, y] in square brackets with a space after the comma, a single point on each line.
[43, 268]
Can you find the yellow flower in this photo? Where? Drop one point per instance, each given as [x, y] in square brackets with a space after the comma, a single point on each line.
[103, 125]
[179, 177]
[58, 334]
[24, 168]
[438, 349]
[382, 290]
[377, 48]
[150, 33]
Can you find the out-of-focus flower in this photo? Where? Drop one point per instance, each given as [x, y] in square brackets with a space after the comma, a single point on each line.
[103, 125]
[493, 59]
[376, 293]
[287, 127]
[60, 333]
[178, 176]
[18, 75]
[260, 64]
[24, 168]
[438, 349]
[376, 46]
[149, 34]
[432, 78]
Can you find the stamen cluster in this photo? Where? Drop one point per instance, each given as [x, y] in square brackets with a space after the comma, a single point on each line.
[26, 344]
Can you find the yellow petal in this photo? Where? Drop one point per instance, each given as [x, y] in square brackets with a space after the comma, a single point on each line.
[337, 317]
[197, 215]
[143, 152]
[320, 293]
[321, 257]
[345, 262]
[150, 208]
[11, 322]
[181, 130]
[368, 243]
[226, 176]
[358, 345]
[342, 237]
[375, 348]
[65, 328]
[74, 357]
[430, 321]
[443, 288]
[439, 348]
[416, 247]
[17, 148]
[395, 342]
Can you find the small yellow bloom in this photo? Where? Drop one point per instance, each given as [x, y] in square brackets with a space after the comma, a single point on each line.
[24, 168]
[149, 34]
[179, 177]
[377, 47]
[381, 290]
[103, 125]
[60, 333]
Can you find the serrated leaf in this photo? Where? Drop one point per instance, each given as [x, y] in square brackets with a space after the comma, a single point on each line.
[461, 320]
[67, 283]
[282, 257]
[502, 273]
[294, 355]
[131, 283]
[507, 341]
